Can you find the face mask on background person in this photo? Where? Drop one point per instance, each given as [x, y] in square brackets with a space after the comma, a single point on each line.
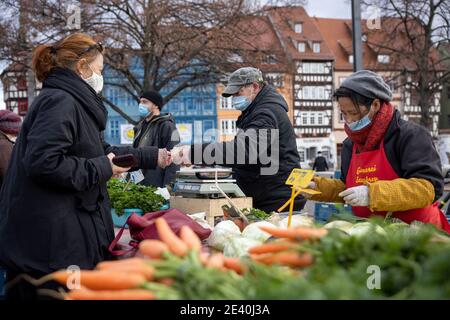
[143, 111]
[240, 102]
[360, 124]
[95, 81]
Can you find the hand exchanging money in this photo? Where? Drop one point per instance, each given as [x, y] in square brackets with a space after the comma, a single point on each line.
[182, 155]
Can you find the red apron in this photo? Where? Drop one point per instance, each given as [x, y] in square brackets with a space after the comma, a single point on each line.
[373, 166]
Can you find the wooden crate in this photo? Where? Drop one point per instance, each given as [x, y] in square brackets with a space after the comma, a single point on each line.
[212, 207]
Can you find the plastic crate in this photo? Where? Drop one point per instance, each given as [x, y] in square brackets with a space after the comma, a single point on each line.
[323, 210]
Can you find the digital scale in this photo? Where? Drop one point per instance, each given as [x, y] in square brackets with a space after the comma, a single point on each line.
[200, 182]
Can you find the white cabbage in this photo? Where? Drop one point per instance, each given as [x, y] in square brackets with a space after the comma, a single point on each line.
[252, 231]
[222, 233]
[339, 224]
[238, 246]
[365, 228]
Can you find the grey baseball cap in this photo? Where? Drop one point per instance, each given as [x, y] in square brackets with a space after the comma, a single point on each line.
[241, 77]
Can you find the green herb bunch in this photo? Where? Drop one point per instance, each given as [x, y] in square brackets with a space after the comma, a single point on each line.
[129, 195]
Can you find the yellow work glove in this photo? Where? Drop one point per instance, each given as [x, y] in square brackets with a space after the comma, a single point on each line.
[330, 189]
[400, 194]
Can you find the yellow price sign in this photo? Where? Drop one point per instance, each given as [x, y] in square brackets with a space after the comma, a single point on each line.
[130, 134]
[300, 178]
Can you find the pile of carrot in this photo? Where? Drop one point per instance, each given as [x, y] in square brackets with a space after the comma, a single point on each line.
[284, 250]
[129, 278]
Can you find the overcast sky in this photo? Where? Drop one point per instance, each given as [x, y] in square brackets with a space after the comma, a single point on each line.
[318, 8]
[329, 8]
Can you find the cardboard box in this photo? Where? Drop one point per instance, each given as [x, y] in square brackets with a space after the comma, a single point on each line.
[212, 207]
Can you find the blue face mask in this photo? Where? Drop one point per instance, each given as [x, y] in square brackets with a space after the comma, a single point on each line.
[240, 102]
[143, 111]
[360, 124]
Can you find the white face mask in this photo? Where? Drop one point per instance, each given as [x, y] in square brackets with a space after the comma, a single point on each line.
[95, 81]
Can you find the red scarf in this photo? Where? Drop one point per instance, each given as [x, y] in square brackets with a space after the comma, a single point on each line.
[369, 138]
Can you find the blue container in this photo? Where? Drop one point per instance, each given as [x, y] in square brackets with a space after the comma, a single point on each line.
[323, 210]
[119, 221]
[337, 174]
[2, 283]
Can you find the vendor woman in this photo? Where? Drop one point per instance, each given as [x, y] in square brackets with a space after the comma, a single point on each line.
[389, 165]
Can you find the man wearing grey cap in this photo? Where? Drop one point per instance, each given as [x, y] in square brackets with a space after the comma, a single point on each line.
[264, 129]
[389, 165]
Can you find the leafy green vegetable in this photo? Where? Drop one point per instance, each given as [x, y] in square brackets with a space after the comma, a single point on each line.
[254, 214]
[124, 195]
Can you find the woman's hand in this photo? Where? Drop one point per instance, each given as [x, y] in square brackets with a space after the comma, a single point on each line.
[116, 169]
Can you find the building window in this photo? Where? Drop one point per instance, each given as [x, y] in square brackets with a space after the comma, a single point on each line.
[114, 129]
[208, 106]
[191, 108]
[311, 67]
[225, 103]
[316, 47]
[271, 59]
[304, 119]
[319, 118]
[383, 58]
[298, 27]
[301, 47]
[313, 93]
[208, 125]
[350, 58]
[275, 79]
[301, 153]
[312, 119]
[228, 126]
[235, 58]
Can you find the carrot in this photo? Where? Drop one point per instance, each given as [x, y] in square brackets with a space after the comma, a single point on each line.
[216, 260]
[114, 263]
[153, 248]
[175, 244]
[86, 294]
[101, 279]
[291, 259]
[233, 264]
[141, 268]
[295, 233]
[269, 248]
[190, 238]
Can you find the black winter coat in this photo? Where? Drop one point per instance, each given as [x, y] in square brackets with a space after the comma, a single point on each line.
[410, 151]
[55, 209]
[269, 191]
[159, 132]
[320, 164]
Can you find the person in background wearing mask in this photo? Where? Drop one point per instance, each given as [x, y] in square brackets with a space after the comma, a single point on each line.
[156, 129]
[389, 165]
[320, 163]
[55, 209]
[263, 110]
[9, 129]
